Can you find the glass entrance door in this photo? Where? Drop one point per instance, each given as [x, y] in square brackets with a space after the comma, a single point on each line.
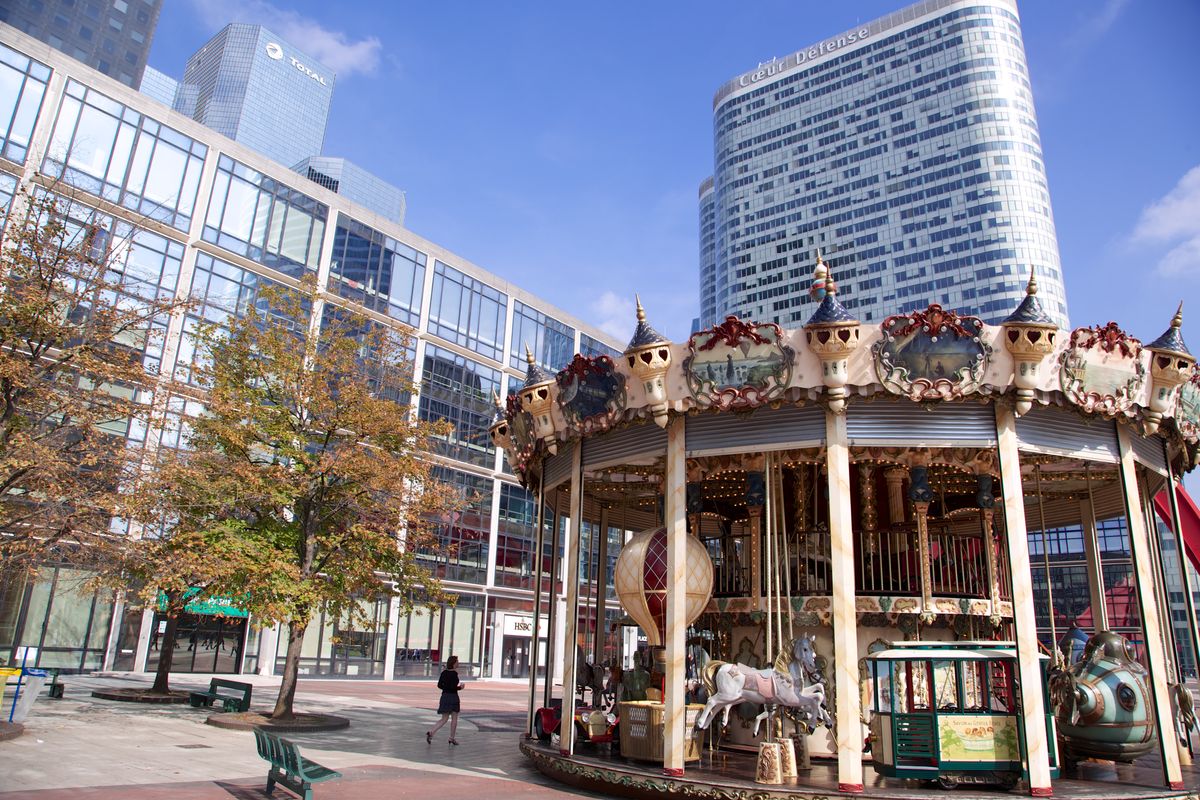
[203, 643]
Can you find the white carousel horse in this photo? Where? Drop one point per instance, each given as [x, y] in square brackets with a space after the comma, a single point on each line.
[786, 683]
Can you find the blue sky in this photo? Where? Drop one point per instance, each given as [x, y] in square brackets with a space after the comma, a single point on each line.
[560, 145]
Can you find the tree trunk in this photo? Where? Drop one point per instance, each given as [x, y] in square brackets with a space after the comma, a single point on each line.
[291, 668]
[166, 654]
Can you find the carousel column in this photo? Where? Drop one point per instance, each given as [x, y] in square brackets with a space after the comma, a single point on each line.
[845, 618]
[675, 633]
[921, 495]
[756, 495]
[1155, 654]
[1095, 570]
[601, 633]
[566, 729]
[986, 502]
[535, 640]
[1029, 673]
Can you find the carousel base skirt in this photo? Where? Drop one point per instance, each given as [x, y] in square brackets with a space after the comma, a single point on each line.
[729, 775]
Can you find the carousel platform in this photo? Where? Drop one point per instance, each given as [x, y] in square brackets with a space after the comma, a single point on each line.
[727, 775]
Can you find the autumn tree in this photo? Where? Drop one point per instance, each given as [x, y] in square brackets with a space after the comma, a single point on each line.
[306, 478]
[79, 329]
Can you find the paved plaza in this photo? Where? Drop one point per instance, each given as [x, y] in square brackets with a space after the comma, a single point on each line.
[84, 748]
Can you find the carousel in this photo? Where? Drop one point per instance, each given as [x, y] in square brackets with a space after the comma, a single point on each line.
[825, 541]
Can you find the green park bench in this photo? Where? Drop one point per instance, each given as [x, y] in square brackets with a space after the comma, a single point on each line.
[233, 695]
[288, 767]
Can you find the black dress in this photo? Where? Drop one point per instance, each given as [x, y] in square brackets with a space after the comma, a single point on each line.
[448, 683]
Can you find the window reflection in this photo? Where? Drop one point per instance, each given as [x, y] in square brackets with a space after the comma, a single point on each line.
[377, 271]
[467, 312]
[459, 390]
[259, 218]
[551, 342]
[22, 87]
[112, 151]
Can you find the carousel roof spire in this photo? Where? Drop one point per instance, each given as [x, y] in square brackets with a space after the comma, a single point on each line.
[825, 290]
[498, 414]
[535, 374]
[1172, 339]
[1030, 311]
[644, 334]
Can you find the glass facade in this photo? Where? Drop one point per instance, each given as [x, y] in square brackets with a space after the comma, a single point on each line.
[22, 87]
[257, 89]
[551, 342]
[459, 390]
[377, 271]
[260, 228]
[110, 150]
[264, 220]
[467, 312]
[906, 152]
[111, 37]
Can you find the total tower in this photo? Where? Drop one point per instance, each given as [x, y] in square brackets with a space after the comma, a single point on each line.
[904, 151]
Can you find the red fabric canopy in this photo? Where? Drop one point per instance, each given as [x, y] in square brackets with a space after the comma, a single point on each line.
[1189, 520]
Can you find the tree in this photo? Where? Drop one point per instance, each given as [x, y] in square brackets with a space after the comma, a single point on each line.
[77, 333]
[306, 479]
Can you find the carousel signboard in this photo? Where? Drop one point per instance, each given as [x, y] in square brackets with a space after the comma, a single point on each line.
[1101, 370]
[591, 393]
[931, 355]
[738, 364]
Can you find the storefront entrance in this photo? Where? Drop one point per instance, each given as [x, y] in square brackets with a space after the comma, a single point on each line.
[203, 643]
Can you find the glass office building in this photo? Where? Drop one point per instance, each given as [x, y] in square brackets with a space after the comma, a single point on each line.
[905, 151]
[207, 217]
[255, 88]
[112, 36]
[358, 185]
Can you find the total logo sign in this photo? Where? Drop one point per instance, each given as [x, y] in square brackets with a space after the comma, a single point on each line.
[275, 52]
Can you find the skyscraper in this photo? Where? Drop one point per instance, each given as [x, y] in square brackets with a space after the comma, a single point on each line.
[355, 183]
[905, 150]
[112, 37]
[259, 90]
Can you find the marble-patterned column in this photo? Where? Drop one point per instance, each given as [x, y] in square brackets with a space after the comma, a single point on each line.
[845, 616]
[1155, 636]
[566, 744]
[675, 635]
[601, 591]
[535, 640]
[1095, 569]
[1029, 672]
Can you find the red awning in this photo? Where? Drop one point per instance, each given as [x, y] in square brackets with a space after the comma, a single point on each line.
[1189, 520]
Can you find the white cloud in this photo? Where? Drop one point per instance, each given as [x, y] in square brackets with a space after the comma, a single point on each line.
[1096, 25]
[1174, 218]
[333, 48]
[615, 315]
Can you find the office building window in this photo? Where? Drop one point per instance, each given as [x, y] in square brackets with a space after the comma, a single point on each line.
[112, 151]
[515, 540]
[390, 374]
[551, 342]
[377, 271]
[220, 291]
[22, 87]
[467, 312]
[594, 347]
[460, 391]
[461, 551]
[264, 220]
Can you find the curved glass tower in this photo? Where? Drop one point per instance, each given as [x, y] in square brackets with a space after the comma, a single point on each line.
[906, 151]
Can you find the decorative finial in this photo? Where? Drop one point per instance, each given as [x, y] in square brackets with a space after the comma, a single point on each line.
[1031, 287]
[496, 400]
[528, 355]
[819, 261]
[822, 284]
[641, 312]
[1177, 320]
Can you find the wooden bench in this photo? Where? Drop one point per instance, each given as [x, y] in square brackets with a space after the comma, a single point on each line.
[233, 695]
[288, 767]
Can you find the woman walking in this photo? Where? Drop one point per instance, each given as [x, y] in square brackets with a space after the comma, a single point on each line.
[449, 683]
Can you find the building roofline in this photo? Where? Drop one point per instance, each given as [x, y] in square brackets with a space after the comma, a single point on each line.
[816, 53]
[68, 67]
